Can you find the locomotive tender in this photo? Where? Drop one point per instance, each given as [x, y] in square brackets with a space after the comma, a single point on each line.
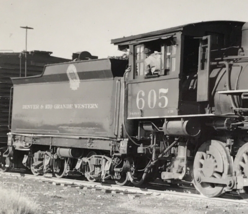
[107, 118]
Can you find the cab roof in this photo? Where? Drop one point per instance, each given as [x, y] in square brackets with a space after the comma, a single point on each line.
[130, 39]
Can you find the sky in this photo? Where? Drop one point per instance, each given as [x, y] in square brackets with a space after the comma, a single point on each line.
[67, 26]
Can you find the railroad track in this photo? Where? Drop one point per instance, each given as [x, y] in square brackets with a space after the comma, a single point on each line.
[153, 189]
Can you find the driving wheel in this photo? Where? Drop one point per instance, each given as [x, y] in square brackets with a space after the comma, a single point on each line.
[211, 161]
[241, 168]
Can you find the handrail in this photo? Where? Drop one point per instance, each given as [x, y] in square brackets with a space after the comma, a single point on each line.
[226, 64]
[10, 107]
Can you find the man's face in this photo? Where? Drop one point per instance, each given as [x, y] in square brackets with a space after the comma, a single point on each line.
[147, 51]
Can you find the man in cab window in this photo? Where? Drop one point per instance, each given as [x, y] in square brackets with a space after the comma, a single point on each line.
[152, 62]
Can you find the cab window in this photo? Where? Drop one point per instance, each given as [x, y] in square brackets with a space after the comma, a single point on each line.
[140, 60]
[156, 58]
[170, 58]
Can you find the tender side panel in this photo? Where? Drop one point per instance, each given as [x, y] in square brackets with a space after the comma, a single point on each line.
[153, 99]
[54, 108]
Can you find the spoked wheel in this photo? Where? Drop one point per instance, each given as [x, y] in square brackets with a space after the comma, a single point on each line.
[241, 168]
[60, 167]
[88, 168]
[211, 161]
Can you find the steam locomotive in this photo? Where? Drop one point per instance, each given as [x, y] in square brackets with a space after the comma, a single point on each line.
[109, 119]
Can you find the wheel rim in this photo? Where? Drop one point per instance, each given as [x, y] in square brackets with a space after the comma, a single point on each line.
[241, 167]
[135, 174]
[88, 176]
[35, 171]
[123, 176]
[123, 179]
[3, 168]
[211, 161]
[59, 167]
[135, 178]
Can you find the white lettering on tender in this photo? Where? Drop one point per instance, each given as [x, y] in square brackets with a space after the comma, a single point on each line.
[86, 106]
[48, 106]
[30, 107]
[60, 106]
[63, 106]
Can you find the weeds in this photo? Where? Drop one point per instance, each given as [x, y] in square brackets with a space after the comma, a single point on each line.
[13, 202]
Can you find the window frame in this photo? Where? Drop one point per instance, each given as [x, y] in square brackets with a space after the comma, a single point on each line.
[173, 58]
[170, 75]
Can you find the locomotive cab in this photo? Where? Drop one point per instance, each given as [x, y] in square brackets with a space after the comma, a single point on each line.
[182, 83]
[153, 94]
[190, 109]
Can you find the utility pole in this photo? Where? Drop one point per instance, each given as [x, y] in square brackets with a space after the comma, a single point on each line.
[26, 44]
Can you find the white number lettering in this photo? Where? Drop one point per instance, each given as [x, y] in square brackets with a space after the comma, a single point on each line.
[152, 98]
[161, 94]
[140, 102]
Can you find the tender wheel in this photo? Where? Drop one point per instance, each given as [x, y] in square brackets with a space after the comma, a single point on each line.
[3, 168]
[211, 161]
[241, 168]
[35, 171]
[36, 168]
[89, 166]
[60, 167]
[3, 164]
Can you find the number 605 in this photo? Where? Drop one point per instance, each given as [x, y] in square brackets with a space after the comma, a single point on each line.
[153, 99]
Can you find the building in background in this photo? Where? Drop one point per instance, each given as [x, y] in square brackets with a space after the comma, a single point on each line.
[12, 64]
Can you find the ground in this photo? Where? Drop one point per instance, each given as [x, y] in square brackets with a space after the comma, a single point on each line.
[67, 200]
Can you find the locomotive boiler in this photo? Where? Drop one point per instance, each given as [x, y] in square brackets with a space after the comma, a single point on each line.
[114, 118]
